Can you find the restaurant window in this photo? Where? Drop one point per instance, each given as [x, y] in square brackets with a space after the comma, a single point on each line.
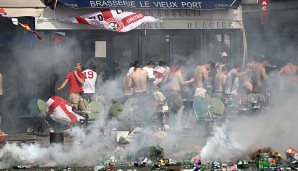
[125, 50]
[217, 43]
[187, 48]
[90, 54]
[227, 44]
[157, 48]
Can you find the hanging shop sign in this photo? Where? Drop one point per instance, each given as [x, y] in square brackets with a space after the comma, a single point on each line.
[147, 4]
[264, 9]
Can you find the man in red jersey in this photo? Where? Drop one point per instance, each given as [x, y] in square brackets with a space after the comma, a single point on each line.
[75, 78]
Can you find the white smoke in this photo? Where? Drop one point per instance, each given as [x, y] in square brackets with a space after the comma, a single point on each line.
[237, 139]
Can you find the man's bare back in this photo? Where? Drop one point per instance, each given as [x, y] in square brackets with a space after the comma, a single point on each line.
[138, 80]
[289, 69]
[175, 83]
[220, 79]
[261, 75]
[201, 76]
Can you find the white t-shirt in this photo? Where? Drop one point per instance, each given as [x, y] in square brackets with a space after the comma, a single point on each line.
[90, 81]
[130, 71]
[149, 71]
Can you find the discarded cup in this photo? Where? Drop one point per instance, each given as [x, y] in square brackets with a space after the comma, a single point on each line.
[99, 168]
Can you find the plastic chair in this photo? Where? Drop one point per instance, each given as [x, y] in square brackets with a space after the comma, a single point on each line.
[42, 107]
[251, 98]
[260, 98]
[96, 109]
[204, 115]
[33, 109]
[200, 108]
[116, 109]
[219, 106]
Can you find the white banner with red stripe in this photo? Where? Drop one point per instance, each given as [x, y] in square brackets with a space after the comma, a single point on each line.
[112, 19]
[61, 111]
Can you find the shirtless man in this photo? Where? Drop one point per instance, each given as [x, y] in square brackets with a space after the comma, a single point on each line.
[288, 77]
[174, 97]
[288, 69]
[220, 80]
[260, 76]
[222, 61]
[138, 81]
[201, 78]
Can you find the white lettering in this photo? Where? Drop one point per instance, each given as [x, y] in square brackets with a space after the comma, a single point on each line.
[98, 3]
[222, 5]
[264, 3]
[165, 4]
[125, 3]
[134, 18]
[133, 4]
[112, 3]
[183, 4]
[92, 3]
[104, 3]
[196, 5]
[146, 4]
[174, 5]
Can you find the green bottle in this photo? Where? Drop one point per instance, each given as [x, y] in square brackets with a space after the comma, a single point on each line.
[174, 164]
[187, 163]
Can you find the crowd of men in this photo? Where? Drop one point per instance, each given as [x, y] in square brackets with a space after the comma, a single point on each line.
[167, 84]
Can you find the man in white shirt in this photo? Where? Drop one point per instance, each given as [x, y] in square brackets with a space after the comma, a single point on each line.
[232, 80]
[149, 69]
[89, 86]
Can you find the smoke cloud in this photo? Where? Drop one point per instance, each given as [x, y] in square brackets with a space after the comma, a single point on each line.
[232, 140]
[238, 138]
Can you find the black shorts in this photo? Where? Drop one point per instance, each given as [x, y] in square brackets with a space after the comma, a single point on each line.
[175, 100]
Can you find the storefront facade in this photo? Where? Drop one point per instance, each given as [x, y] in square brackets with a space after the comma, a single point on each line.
[38, 66]
[194, 36]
